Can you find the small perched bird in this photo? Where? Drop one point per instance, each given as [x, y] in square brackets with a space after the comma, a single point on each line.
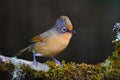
[53, 41]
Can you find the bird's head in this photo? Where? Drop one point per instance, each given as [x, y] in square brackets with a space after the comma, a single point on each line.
[64, 25]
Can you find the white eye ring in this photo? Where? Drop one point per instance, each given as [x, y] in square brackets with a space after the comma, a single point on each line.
[64, 29]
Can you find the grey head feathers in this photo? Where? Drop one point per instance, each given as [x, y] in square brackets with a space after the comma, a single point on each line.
[63, 24]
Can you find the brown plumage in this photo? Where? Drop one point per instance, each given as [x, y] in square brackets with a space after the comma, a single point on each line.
[53, 41]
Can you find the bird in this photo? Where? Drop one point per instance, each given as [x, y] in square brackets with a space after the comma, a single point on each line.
[51, 42]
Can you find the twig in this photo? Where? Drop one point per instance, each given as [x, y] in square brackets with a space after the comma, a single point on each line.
[19, 62]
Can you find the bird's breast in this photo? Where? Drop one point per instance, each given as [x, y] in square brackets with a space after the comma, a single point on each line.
[53, 45]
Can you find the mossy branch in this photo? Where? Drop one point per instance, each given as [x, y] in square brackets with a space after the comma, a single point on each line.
[13, 61]
[107, 70]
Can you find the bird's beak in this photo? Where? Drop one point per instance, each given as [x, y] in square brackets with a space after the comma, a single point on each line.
[72, 31]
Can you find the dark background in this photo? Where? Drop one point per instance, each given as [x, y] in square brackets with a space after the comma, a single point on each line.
[93, 21]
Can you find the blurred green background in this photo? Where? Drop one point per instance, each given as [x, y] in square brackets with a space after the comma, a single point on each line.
[93, 20]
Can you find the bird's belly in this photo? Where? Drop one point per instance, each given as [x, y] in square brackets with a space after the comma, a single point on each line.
[51, 47]
[49, 50]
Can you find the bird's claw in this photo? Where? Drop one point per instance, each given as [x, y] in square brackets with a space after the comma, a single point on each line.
[58, 62]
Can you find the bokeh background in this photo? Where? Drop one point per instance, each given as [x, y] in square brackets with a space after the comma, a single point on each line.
[93, 20]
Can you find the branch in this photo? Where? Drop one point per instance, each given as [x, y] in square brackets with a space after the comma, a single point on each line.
[22, 69]
[20, 62]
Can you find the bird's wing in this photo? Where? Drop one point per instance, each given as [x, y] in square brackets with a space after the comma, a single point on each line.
[40, 38]
[37, 39]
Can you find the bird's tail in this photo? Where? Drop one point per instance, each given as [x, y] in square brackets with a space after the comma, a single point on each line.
[27, 49]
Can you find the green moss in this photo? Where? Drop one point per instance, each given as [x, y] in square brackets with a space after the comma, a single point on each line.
[6, 67]
[72, 71]
[107, 70]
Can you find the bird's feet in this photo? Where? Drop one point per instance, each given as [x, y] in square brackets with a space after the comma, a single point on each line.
[34, 58]
[35, 62]
[58, 62]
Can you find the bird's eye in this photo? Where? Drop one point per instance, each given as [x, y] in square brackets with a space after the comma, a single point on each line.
[64, 29]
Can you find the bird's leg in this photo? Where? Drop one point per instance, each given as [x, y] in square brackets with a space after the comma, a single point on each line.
[34, 56]
[58, 62]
